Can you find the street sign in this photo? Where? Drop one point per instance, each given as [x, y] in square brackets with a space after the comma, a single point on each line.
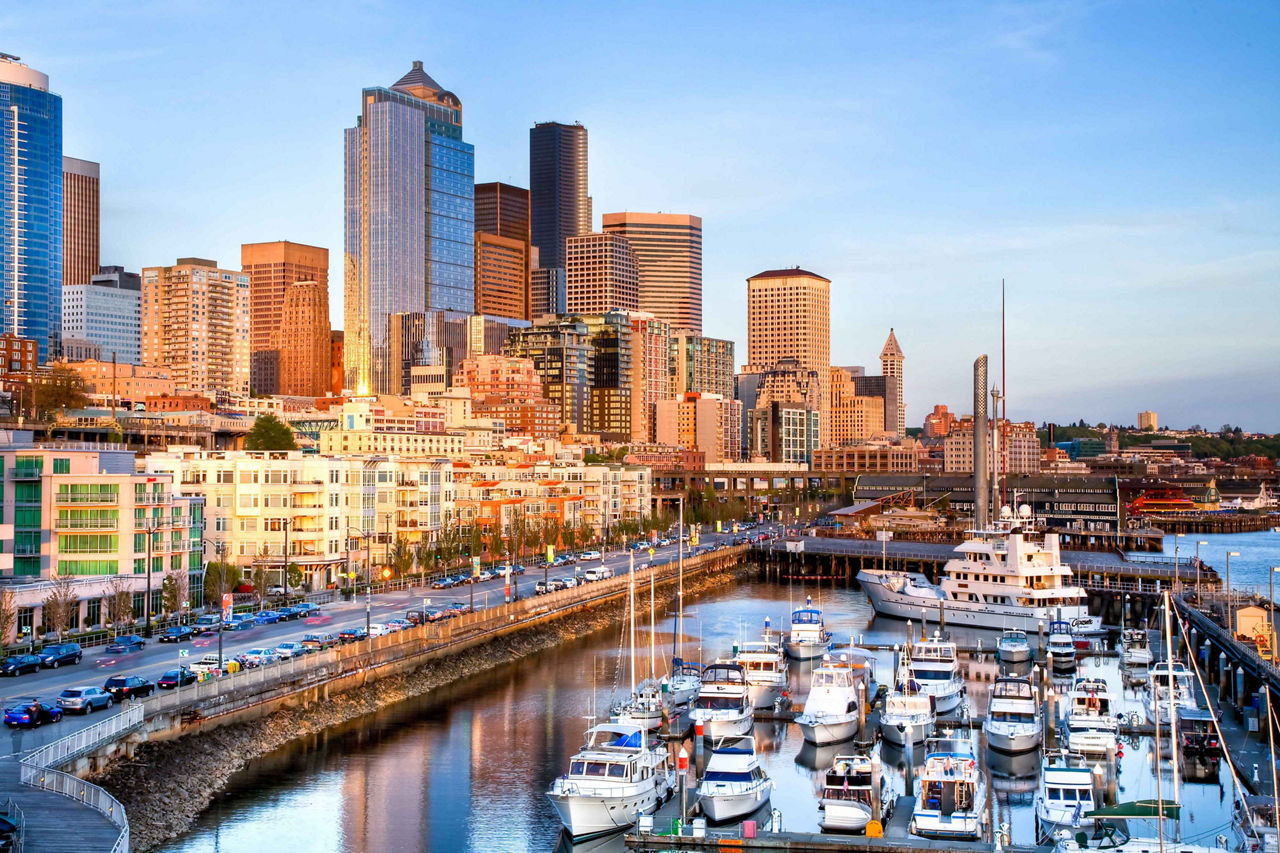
[186, 604]
[551, 553]
[475, 563]
[651, 553]
[718, 530]
[351, 575]
[228, 606]
[184, 653]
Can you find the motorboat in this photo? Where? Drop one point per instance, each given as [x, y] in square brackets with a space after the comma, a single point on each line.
[809, 638]
[1008, 576]
[684, 682]
[1113, 840]
[1169, 681]
[1198, 734]
[1014, 722]
[1255, 821]
[848, 794]
[951, 791]
[734, 785]
[1091, 720]
[936, 666]
[831, 708]
[1062, 646]
[1135, 650]
[1013, 647]
[1064, 797]
[766, 667]
[908, 714]
[619, 774]
[723, 705]
[645, 708]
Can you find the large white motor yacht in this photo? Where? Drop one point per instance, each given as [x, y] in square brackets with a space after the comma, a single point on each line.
[766, 667]
[1013, 647]
[1013, 722]
[936, 666]
[734, 785]
[723, 705]
[619, 774]
[1064, 797]
[908, 715]
[809, 637]
[831, 708]
[1166, 676]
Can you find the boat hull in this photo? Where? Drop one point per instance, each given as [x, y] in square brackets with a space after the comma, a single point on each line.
[961, 826]
[586, 816]
[806, 649]
[944, 703]
[725, 807]
[844, 816]
[714, 729]
[915, 732]
[1014, 739]
[765, 695]
[1091, 741]
[822, 730]
[684, 690]
[1020, 654]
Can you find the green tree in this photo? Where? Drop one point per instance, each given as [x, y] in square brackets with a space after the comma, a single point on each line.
[570, 536]
[60, 389]
[173, 590]
[270, 433]
[475, 541]
[586, 534]
[220, 578]
[295, 576]
[401, 556]
[424, 555]
[497, 545]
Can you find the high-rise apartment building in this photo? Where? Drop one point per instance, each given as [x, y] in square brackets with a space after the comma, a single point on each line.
[668, 252]
[891, 359]
[409, 225]
[561, 352]
[789, 316]
[707, 423]
[651, 371]
[195, 322]
[701, 365]
[30, 206]
[549, 294]
[601, 275]
[558, 202]
[508, 389]
[1148, 421]
[272, 268]
[613, 357]
[106, 312]
[304, 342]
[502, 277]
[80, 220]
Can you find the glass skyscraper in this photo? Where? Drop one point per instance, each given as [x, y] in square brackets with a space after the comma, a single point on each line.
[30, 206]
[410, 227]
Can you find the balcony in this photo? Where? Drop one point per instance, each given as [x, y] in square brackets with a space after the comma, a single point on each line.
[86, 524]
[25, 473]
[152, 499]
[103, 497]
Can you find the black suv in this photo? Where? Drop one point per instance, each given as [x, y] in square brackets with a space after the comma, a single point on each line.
[123, 687]
[56, 655]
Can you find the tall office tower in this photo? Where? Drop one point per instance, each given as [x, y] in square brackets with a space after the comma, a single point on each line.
[558, 202]
[336, 372]
[614, 362]
[304, 343]
[891, 359]
[701, 365]
[106, 312]
[600, 275]
[30, 206]
[409, 224]
[503, 209]
[668, 250]
[195, 322]
[651, 371]
[503, 251]
[272, 268]
[549, 291]
[789, 316]
[80, 220]
[563, 358]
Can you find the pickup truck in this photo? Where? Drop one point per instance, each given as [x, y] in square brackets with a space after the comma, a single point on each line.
[208, 665]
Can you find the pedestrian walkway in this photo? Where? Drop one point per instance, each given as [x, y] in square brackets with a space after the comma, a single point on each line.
[54, 823]
[1247, 749]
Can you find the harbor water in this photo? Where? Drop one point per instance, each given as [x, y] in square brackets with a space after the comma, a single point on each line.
[1258, 552]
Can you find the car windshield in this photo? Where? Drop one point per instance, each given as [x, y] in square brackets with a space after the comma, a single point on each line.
[173, 673]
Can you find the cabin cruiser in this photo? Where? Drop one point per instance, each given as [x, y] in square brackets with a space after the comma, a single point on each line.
[1198, 735]
[684, 683]
[1065, 795]
[1013, 647]
[831, 709]
[766, 667]
[1091, 720]
[951, 792]
[1135, 652]
[644, 708]
[1008, 576]
[1062, 646]
[1255, 820]
[809, 639]
[619, 774]
[935, 665]
[723, 705]
[908, 714]
[1110, 838]
[847, 792]
[1014, 722]
[1164, 676]
[734, 785]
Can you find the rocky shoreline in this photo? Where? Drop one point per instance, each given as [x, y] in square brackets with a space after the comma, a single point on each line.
[166, 785]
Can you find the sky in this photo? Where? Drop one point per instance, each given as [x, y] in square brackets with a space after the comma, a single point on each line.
[1115, 163]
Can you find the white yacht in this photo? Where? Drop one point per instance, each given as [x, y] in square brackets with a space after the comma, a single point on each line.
[1091, 721]
[847, 795]
[809, 637]
[1062, 646]
[1065, 794]
[644, 708]
[1135, 650]
[1166, 675]
[1255, 821]
[935, 665]
[1013, 646]
[908, 715]
[684, 683]
[951, 792]
[831, 708]
[1013, 722]
[1008, 576]
[766, 667]
[617, 775]
[734, 785]
[723, 705]
[1118, 842]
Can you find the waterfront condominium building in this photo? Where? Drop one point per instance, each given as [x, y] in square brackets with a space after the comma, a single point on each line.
[891, 359]
[106, 313]
[272, 268]
[409, 226]
[562, 356]
[789, 316]
[548, 291]
[303, 340]
[80, 220]
[601, 275]
[195, 322]
[559, 206]
[613, 357]
[668, 252]
[701, 365]
[30, 206]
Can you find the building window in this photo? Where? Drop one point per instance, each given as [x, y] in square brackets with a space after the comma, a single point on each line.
[93, 612]
[62, 466]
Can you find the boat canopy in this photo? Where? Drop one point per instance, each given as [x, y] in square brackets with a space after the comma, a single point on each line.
[731, 673]
[806, 616]
[1140, 809]
[1012, 688]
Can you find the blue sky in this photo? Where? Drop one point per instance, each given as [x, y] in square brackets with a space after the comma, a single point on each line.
[1116, 163]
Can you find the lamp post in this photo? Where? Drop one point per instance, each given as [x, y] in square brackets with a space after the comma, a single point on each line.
[218, 548]
[285, 524]
[152, 527]
[1230, 554]
[360, 534]
[1177, 576]
[1198, 544]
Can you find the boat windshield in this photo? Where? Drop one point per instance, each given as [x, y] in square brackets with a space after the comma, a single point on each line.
[838, 678]
[598, 770]
[718, 703]
[806, 617]
[1012, 689]
[727, 776]
[1012, 717]
[931, 675]
[1071, 795]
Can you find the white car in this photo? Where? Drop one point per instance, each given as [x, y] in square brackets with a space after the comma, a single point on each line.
[377, 629]
[591, 555]
[261, 657]
[284, 651]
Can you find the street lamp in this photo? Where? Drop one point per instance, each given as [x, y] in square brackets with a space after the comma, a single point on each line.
[360, 534]
[1230, 554]
[218, 548]
[152, 527]
[284, 522]
[1198, 544]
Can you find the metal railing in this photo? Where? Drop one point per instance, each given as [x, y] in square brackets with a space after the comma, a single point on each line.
[19, 821]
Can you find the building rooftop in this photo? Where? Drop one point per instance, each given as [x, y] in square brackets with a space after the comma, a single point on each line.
[891, 347]
[416, 77]
[794, 272]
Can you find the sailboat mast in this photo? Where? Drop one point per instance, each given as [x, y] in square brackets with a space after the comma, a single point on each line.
[680, 585]
[1004, 380]
[653, 658]
[631, 602]
[1173, 710]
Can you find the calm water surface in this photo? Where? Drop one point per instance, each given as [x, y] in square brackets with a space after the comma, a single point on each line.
[465, 768]
[1258, 553]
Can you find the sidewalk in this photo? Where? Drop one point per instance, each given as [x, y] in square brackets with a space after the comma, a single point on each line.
[1245, 748]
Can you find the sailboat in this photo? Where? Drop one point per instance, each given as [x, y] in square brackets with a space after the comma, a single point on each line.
[686, 677]
[645, 708]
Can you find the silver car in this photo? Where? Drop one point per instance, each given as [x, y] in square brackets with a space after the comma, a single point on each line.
[86, 700]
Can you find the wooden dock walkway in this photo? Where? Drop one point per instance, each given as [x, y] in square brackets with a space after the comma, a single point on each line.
[54, 823]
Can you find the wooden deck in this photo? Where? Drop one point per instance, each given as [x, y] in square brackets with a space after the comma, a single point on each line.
[54, 823]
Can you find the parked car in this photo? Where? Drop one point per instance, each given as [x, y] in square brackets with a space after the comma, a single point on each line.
[377, 629]
[556, 584]
[457, 608]
[86, 700]
[399, 624]
[540, 588]
[126, 643]
[591, 555]
[442, 583]
[238, 621]
[185, 675]
[30, 714]
[18, 664]
[123, 687]
[260, 657]
[306, 608]
[266, 617]
[209, 664]
[320, 640]
[275, 590]
[209, 623]
[568, 581]
[56, 655]
[352, 635]
[292, 650]
[590, 575]
[176, 634]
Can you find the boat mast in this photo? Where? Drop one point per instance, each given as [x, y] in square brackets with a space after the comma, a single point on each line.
[1155, 684]
[1173, 711]
[653, 660]
[679, 640]
[631, 602]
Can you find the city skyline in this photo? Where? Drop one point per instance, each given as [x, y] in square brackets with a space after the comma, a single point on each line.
[1094, 168]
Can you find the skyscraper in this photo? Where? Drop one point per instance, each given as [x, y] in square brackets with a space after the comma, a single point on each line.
[558, 202]
[502, 251]
[891, 359]
[563, 357]
[410, 226]
[272, 268]
[701, 365]
[668, 250]
[789, 316]
[30, 206]
[600, 275]
[106, 312]
[304, 343]
[80, 220]
[503, 209]
[548, 291]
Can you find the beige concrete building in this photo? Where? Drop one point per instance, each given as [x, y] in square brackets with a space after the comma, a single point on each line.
[707, 423]
[195, 322]
[80, 220]
[789, 317]
[853, 418]
[272, 268]
[125, 383]
[668, 252]
[891, 359]
[701, 365]
[650, 371]
[303, 341]
[1148, 421]
[1018, 442]
[873, 458]
[601, 274]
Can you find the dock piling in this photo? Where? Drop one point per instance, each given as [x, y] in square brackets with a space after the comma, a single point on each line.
[876, 781]
[862, 709]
